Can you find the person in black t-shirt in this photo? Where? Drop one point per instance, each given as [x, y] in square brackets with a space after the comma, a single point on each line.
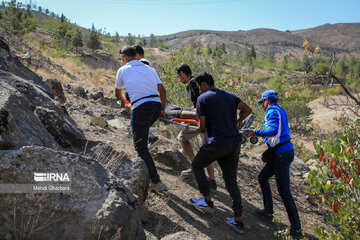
[184, 74]
[217, 111]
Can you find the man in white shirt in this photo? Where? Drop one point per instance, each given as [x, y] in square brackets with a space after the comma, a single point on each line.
[140, 55]
[148, 100]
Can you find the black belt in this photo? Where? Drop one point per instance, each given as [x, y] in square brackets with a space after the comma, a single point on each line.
[150, 96]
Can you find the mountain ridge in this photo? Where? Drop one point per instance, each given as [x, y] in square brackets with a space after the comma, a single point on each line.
[339, 36]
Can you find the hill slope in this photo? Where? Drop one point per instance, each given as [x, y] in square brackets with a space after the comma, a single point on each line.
[342, 36]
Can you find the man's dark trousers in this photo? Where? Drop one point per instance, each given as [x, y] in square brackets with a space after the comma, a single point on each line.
[281, 168]
[141, 120]
[228, 159]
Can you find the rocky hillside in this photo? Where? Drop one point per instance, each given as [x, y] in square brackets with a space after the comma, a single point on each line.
[342, 36]
[48, 124]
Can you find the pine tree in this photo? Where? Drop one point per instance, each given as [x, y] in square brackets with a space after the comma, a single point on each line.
[63, 28]
[28, 13]
[15, 16]
[93, 41]
[77, 39]
[152, 40]
[117, 37]
[130, 39]
[253, 53]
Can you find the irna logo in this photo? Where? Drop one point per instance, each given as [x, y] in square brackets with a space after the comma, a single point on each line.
[51, 177]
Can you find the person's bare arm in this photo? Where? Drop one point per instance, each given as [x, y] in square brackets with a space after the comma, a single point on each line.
[162, 95]
[118, 95]
[202, 124]
[245, 111]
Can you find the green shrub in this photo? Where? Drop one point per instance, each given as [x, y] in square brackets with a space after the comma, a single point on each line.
[337, 181]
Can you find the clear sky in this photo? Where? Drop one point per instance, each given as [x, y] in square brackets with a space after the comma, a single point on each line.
[162, 17]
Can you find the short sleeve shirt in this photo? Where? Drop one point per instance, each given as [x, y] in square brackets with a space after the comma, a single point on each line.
[193, 91]
[139, 81]
[220, 109]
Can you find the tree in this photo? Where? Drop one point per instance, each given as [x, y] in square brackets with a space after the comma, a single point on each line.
[344, 69]
[252, 52]
[16, 18]
[152, 40]
[117, 37]
[47, 11]
[306, 64]
[77, 39]
[130, 39]
[28, 13]
[93, 39]
[63, 28]
[39, 9]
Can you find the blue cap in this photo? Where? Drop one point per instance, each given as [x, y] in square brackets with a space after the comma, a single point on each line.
[268, 94]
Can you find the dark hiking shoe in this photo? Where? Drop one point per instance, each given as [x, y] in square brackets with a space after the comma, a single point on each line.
[264, 215]
[202, 205]
[294, 232]
[237, 226]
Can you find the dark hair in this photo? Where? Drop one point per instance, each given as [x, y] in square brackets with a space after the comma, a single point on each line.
[206, 78]
[184, 68]
[139, 50]
[273, 101]
[128, 51]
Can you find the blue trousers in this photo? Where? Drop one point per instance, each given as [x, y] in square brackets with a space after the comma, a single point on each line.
[280, 167]
[141, 119]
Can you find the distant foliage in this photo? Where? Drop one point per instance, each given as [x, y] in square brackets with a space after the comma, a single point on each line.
[63, 28]
[16, 20]
[92, 40]
[130, 39]
[117, 37]
[77, 39]
[152, 40]
[293, 99]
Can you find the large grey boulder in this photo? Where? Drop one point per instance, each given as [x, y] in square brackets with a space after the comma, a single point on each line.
[98, 205]
[29, 116]
[56, 89]
[173, 158]
[131, 171]
[10, 63]
[298, 167]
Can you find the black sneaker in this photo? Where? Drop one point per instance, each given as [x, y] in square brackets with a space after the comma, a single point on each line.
[237, 226]
[153, 142]
[294, 232]
[212, 185]
[202, 205]
[264, 215]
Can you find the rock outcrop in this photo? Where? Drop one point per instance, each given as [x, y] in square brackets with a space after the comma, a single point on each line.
[10, 63]
[29, 116]
[98, 205]
[131, 171]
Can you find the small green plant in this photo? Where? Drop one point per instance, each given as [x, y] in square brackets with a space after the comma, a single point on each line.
[337, 181]
[301, 151]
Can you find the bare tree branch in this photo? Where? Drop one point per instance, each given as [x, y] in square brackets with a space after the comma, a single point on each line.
[341, 82]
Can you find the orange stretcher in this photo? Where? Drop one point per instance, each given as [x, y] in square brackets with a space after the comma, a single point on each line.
[192, 122]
